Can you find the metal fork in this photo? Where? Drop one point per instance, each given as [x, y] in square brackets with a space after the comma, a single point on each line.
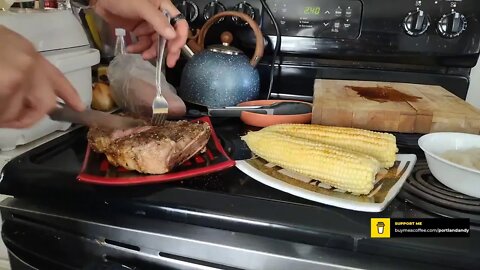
[160, 105]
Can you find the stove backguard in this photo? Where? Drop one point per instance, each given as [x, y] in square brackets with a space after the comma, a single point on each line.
[426, 42]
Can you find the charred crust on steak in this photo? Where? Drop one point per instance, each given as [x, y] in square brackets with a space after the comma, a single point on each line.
[151, 149]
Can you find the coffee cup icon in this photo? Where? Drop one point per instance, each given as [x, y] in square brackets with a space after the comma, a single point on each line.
[380, 227]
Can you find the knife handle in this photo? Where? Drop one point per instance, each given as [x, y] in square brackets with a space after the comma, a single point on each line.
[235, 112]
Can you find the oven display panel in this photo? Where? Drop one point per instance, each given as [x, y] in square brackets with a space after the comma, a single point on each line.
[316, 18]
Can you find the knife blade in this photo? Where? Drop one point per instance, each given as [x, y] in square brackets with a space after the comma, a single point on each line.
[93, 118]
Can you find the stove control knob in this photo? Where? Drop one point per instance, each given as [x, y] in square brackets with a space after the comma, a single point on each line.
[213, 8]
[452, 25]
[188, 9]
[416, 23]
[245, 8]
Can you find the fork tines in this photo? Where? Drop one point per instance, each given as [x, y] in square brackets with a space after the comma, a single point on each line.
[159, 115]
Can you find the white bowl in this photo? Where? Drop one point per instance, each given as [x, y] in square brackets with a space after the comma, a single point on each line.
[452, 175]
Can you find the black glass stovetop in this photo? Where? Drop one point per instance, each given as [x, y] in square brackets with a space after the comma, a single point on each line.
[232, 201]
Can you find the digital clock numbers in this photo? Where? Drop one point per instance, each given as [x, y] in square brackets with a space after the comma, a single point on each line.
[311, 10]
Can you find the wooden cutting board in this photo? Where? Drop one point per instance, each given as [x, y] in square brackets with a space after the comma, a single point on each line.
[394, 107]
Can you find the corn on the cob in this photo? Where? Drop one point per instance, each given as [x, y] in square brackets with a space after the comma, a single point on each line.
[349, 171]
[381, 146]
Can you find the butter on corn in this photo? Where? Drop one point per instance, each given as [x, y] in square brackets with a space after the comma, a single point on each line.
[381, 146]
[342, 169]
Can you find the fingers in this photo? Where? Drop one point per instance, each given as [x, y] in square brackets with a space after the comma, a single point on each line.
[39, 98]
[147, 46]
[62, 87]
[172, 57]
[11, 107]
[181, 28]
[143, 29]
[42, 97]
[28, 84]
[182, 34]
[14, 82]
[170, 8]
[152, 51]
[17, 62]
[143, 43]
[156, 18]
[34, 105]
[28, 118]
[12, 100]
[175, 45]
[38, 103]
[12, 87]
[145, 18]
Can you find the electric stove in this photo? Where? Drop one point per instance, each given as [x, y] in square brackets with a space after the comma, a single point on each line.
[228, 220]
[225, 220]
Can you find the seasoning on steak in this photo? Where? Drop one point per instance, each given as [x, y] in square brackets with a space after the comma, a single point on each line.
[151, 149]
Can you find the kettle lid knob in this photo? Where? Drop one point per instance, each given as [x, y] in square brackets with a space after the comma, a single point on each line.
[225, 48]
[226, 38]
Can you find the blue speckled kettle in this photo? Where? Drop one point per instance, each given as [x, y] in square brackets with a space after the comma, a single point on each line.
[221, 75]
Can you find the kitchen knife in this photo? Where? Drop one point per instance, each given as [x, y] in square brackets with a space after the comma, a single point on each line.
[93, 118]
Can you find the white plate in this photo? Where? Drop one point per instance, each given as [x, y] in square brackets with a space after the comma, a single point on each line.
[386, 188]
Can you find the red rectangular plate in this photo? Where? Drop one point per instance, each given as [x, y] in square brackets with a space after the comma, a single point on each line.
[97, 170]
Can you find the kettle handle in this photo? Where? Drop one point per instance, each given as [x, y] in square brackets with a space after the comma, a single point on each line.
[259, 48]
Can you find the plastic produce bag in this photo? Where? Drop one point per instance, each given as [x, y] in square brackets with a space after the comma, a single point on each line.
[132, 82]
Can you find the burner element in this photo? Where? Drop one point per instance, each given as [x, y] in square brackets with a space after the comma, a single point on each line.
[424, 191]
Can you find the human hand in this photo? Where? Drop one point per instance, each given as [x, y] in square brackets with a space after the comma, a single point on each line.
[29, 84]
[145, 19]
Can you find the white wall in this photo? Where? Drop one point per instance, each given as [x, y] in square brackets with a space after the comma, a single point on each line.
[473, 96]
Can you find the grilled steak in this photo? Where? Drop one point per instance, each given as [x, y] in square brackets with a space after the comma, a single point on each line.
[151, 149]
